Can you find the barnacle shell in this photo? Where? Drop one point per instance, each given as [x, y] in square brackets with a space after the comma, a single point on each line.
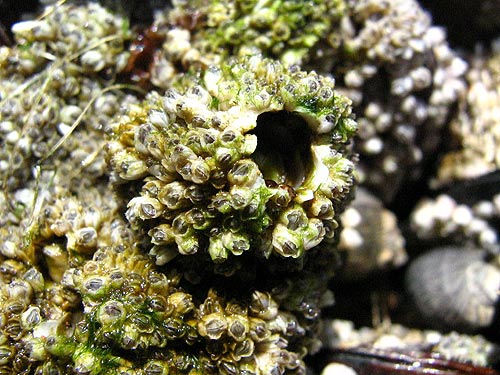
[252, 157]
[455, 287]
[370, 239]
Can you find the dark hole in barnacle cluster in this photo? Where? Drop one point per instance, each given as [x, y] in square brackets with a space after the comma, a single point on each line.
[283, 151]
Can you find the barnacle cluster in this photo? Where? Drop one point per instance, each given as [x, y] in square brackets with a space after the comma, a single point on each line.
[445, 220]
[476, 127]
[273, 28]
[119, 312]
[403, 79]
[253, 157]
[194, 170]
[132, 306]
[204, 32]
[175, 197]
[386, 56]
[52, 81]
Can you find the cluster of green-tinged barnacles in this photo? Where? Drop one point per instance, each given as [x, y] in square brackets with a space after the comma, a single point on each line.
[195, 175]
[193, 228]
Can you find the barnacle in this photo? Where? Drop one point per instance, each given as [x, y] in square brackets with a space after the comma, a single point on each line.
[252, 157]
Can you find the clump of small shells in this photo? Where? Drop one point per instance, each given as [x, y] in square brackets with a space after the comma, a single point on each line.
[75, 236]
[131, 307]
[53, 231]
[476, 128]
[27, 298]
[253, 157]
[16, 295]
[445, 220]
[386, 56]
[243, 159]
[53, 81]
[202, 33]
[85, 223]
[239, 28]
[403, 80]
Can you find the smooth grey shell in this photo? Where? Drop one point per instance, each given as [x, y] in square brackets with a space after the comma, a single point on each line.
[454, 288]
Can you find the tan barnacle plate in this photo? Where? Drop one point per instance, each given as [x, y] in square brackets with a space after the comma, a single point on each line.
[252, 156]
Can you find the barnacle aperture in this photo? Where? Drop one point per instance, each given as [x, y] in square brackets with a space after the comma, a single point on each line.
[252, 156]
[283, 147]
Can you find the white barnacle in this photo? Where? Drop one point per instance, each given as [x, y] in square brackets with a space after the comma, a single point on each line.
[93, 61]
[263, 305]
[213, 325]
[144, 208]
